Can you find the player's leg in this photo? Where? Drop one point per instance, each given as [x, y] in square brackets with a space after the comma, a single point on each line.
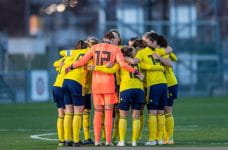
[110, 100]
[124, 105]
[161, 115]
[68, 115]
[59, 100]
[123, 123]
[78, 100]
[86, 120]
[169, 114]
[152, 115]
[137, 103]
[98, 101]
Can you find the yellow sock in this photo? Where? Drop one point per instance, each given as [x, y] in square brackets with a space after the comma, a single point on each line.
[135, 129]
[152, 125]
[116, 126]
[68, 126]
[86, 124]
[141, 125]
[77, 123]
[122, 128]
[60, 129]
[161, 126]
[169, 125]
[102, 129]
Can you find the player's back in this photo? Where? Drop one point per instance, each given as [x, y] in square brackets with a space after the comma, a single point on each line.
[103, 53]
[79, 73]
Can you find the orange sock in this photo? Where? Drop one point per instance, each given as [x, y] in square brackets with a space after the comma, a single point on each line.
[97, 125]
[108, 125]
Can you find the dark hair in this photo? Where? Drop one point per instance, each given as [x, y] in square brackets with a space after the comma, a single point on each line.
[139, 44]
[126, 51]
[109, 35]
[162, 41]
[152, 36]
[116, 31]
[81, 44]
[134, 38]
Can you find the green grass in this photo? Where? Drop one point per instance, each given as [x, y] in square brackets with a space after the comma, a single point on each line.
[198, 121]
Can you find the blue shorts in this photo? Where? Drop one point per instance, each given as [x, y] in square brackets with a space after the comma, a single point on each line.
[133, 98]
[87, 99]
[172, 94]
[58, 96]
[157, 97]
[73, 93]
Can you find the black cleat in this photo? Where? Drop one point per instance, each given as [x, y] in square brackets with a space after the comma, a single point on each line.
[88, 142]
[77, 144]
[68, 143]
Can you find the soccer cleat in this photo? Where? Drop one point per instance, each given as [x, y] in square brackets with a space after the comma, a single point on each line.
[98, 144]
[88, 142]
[134, 144]
[78, 144]
[120, 144]
[150, 143]
[170, 142]
[109, 144]
[61, 144]
[160, 142]
[68, 143]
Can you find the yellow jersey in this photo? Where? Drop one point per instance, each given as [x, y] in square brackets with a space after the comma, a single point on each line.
[154, 69]
[59, 66]
[170, 76]
[78, 74]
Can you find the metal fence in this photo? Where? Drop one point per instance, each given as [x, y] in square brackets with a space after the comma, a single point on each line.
[197, 43]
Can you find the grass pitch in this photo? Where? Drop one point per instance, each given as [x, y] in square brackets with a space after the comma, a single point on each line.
[199, 122]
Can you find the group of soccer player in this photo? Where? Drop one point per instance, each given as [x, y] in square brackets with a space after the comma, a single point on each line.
[116, 78]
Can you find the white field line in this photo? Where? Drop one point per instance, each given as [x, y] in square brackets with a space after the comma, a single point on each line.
[40, 137]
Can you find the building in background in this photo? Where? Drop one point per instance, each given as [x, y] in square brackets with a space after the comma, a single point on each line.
[33, 32]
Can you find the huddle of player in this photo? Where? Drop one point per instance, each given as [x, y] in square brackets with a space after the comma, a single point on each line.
[118, 77]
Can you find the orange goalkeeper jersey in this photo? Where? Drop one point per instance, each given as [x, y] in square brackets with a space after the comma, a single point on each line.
[102, 54]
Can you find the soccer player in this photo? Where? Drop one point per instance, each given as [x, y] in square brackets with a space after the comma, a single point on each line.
[116, 114]
[156, 85]
[139, 44]
[58, 96]
[103, 86]
[87, 90]
[74, 102]
[131, 94]
[172, 94]
[132, 40]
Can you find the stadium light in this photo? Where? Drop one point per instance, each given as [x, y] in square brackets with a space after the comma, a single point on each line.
[61, 7]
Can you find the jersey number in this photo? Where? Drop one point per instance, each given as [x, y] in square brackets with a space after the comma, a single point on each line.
[132, 75]
[102, 57]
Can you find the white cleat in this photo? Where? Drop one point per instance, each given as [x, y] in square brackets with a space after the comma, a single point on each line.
[170, 142]
[160, 142]
[98, 144]
[134, 144]
[151, 143]
[120, 144]
[109, 144]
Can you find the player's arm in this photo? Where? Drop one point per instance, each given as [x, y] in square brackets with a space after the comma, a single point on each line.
[132, 61]
[123, 64]
[106, 69]
[151, 67]
[173, 57]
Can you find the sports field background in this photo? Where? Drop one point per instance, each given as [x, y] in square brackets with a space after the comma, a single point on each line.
[199, 122]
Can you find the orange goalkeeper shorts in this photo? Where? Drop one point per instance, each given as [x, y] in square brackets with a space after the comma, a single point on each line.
[105, 99]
